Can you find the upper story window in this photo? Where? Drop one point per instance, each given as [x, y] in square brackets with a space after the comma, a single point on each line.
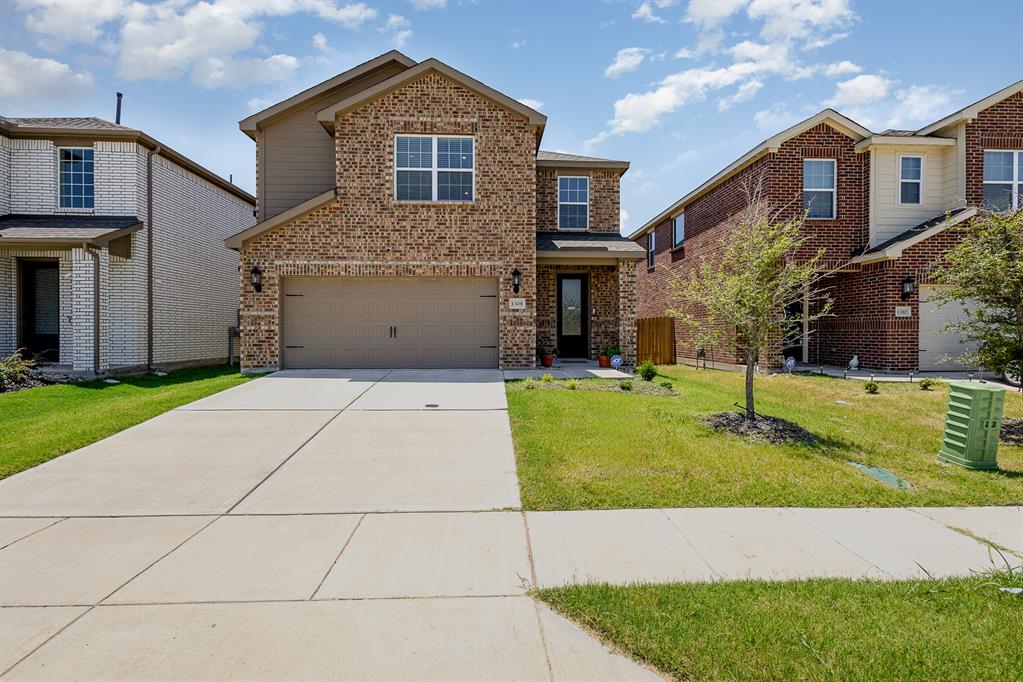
[819, 195]
[434, 168]
[678, 230]
[1003, 180]
[573, 202]
[911, 179]
[651, 248]
[77, 179]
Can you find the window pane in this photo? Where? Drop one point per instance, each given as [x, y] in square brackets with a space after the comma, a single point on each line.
[819, 204]
[997, 166]
[414, 152]
[576, 190]
[454, 186]
[680, 230]
[818, 174]
[571, 307]
[572, 216]
[910, 193]
[911, 167]
[997, 197]
[454, 152]
[415, 186]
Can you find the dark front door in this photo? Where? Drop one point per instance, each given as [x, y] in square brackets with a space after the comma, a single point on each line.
[573, 320]
[39, 304]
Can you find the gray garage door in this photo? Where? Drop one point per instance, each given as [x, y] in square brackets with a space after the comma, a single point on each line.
[405, 322]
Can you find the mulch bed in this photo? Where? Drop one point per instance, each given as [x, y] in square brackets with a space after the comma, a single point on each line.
[764, 429]
[608, 385]
[38, 378]
[1012, 431]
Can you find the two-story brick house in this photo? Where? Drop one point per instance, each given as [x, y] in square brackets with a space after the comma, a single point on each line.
[111, 248]
[880, 204]
[408, 219]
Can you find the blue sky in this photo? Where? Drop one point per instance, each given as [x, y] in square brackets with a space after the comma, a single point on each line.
[678, 88]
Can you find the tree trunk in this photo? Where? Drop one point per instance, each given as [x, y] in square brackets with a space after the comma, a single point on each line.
[751, 357]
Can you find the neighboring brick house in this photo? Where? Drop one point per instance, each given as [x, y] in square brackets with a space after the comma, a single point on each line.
[407, 219]
[75, 212]
[880, 204]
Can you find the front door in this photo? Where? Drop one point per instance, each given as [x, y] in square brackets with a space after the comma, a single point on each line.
[573, 320]
[39, 307]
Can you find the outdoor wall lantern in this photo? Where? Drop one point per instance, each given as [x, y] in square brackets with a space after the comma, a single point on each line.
[908, 285]
[516, 280]
[256, 277]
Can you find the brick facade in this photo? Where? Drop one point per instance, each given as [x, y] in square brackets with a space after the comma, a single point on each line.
[605, 193]
[998, 127]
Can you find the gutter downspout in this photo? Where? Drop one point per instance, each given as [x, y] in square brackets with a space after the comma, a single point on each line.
[95, 307]
[149, 255]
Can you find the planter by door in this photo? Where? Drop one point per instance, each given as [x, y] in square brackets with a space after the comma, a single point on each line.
[573, 316]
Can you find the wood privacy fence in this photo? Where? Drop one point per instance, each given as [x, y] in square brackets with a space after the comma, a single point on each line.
[655, 340]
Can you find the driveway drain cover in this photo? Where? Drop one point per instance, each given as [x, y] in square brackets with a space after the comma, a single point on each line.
[432, 405]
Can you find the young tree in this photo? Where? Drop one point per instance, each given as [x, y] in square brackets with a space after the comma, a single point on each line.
[984, 271]
[743, 294]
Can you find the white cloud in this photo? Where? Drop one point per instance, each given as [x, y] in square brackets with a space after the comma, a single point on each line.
[38, 82]
[396, 22]
[681, 159]
[428, 4]
[258, 103]
[628, 59]
[214, 72]
[518, 43]
[684, 53]
[645, 12]
[777, 118]
[320, 42]
[532, 103]
[712, 13]
[709, 41]
[400, 38]
[856, 92]
[70, 22]
[745, 93]
[920, 104]
[817, 43]
[875, 102]
[623, 218]
[842, 68]
[799, 19]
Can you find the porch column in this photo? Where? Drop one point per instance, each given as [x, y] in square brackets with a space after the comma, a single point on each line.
[8, 304]
[84, 306]
[627, 310]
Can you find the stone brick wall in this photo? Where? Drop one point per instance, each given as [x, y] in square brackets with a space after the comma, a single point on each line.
[605, 198]
[997, 127]
[366, 233]
[5, 174]
[603, 304]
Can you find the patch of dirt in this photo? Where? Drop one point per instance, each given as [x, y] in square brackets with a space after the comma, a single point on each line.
[40, 377]
[1012, 431]
[764, 429]
[638, 386]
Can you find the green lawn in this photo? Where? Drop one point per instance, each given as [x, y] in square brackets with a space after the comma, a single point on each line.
[41, 423]
[596, 450]
[965, 629]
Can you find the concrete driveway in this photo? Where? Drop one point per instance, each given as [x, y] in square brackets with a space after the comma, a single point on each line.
[310, 524]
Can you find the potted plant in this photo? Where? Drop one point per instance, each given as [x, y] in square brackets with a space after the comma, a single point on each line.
[547, 359]
[604, 359]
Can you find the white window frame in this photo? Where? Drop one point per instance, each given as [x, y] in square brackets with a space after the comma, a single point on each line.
[898, 188]
[651, 249]
[1015, 185]
[674, 225]
[434, 171]
[833, 190]
[557, 189]
[76, 209]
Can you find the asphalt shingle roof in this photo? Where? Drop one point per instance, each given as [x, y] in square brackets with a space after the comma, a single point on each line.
[915, 230]
[62, 122]
[565, 241]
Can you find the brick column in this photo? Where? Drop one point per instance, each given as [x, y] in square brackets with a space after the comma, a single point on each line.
[627, 310]
[82, 282]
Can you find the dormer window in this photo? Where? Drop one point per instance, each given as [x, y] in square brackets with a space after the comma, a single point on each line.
[573, 202]
[434, 168]
[911, 179]
[77, 179]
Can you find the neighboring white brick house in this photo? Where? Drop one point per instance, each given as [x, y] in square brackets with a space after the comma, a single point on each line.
[50, 251]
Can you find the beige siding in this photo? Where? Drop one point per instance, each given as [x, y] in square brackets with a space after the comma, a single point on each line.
[297, 153]
[888, 216]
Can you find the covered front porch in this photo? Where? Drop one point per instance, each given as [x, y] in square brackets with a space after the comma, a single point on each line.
[586, 295]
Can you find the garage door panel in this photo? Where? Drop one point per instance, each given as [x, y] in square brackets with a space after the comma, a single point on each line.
[939, 350]
[347, 322]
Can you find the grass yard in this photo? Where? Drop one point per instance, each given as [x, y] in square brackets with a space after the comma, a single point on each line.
[963, 629]
[600, 450]
[38, 424]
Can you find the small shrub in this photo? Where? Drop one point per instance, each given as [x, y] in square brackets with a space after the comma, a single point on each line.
[647, 370]
[14, 369]
[612, 351]
[547, 378]
[625, 385]
[872, 387]
[572, 384]
[667, 384]
[529, 384]
[927, 383]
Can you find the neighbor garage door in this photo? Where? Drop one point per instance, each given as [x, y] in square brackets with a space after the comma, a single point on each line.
[935, 345]
[390, 322]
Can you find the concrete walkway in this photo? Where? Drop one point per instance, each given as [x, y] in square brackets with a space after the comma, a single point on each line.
[367, 525]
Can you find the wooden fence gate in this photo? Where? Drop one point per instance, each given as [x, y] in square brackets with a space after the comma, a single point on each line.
[655, 340]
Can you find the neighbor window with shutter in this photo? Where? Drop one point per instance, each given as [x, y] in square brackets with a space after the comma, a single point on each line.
[434, 168]
[911, 179]
[819, 188]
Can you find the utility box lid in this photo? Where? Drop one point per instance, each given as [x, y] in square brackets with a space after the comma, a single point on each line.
[973, 424]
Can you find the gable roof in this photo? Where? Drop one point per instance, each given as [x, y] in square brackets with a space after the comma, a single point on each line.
[326, 116]
[843, 124]
[100, 129]
[971, 111]
[563, 160]
[236, 240]
[249, 125]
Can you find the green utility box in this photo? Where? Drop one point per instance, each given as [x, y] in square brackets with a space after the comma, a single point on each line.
[973, 424]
